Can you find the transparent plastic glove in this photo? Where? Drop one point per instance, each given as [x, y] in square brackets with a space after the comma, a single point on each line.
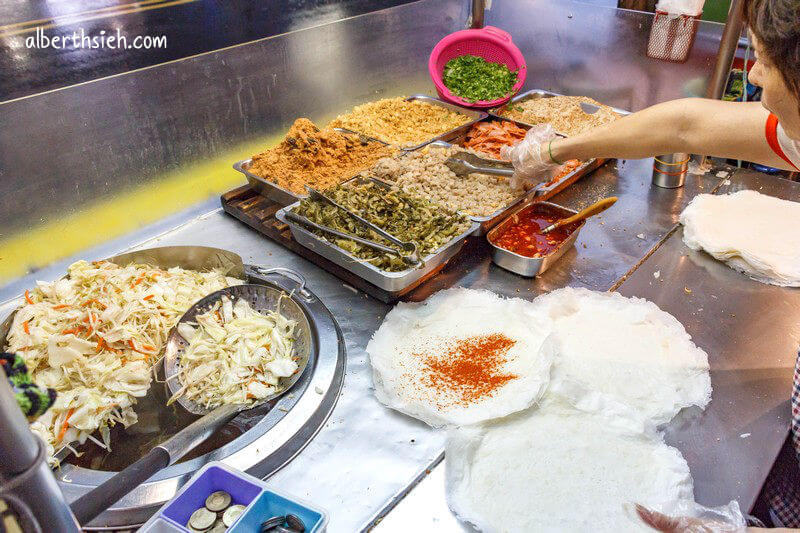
[532, 164]
[726, 519]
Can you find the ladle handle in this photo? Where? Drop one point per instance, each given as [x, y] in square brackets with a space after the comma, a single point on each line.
[94, 502]
[594, 209]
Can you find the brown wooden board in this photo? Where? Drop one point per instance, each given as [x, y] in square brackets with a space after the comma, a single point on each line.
[258, 212]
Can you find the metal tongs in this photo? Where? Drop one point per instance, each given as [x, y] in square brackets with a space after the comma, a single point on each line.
[410, 256]
[465, 163]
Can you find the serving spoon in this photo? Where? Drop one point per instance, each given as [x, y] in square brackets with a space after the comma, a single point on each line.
[262, 298]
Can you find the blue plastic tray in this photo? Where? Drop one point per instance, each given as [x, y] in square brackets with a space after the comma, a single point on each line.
[261, 502]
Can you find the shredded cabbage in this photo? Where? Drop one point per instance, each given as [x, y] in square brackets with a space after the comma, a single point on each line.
[95, 336]
[235, 355]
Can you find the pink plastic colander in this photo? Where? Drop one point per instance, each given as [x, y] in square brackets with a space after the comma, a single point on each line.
[490, 43]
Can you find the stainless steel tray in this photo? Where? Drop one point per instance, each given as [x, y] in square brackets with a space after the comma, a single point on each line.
[530, 266]
[476, 116]
[388, 281]
[535, 94]
[487, 222]
[274, 192]
[264, 187]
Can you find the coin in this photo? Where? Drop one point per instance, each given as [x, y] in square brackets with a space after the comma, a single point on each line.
[295, 524]
[231, 514]
[219, 527]
[202, 519]
[271, 523]
[218, 501]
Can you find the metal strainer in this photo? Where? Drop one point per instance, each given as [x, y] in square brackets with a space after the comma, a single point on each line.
[261, 298]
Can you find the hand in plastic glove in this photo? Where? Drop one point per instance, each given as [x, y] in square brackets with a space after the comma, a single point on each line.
[530, 157]
[685, 524]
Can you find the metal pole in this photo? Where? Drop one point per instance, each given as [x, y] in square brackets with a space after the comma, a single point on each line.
[18, 449]
[727, 50]
[477, 15]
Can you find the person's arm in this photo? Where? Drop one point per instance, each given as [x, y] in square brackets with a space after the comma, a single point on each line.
[694, 125]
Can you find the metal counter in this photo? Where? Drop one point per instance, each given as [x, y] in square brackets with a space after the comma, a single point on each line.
[97, 140]
[751, 332]
[184, 123]
[367, 457]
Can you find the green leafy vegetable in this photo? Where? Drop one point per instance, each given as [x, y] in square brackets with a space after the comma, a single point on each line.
[407, 217]
[473, 78]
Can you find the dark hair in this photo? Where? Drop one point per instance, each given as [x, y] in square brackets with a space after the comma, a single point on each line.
[776, 25]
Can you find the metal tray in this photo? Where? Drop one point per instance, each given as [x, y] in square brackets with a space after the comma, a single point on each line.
[487, 222]
[530, 266]
[388, 281]
[476, 116]
[264, 187]
[535, 94]
[276, 193]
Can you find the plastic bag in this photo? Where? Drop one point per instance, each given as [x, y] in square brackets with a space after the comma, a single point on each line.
[691, 517]
[531, 164]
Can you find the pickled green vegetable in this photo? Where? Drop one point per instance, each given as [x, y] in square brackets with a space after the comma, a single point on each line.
[407, 217]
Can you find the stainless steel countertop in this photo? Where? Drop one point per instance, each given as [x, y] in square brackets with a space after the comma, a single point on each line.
[367, 457]
[186, 122]
[751, 332]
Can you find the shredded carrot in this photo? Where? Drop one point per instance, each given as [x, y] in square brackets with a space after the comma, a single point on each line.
[96, 302]
[143, 348]
[490, 137]
[65, 425]
[149, 297]
[61, 306]
[138, 281]
[567, 168]
[26, 327]
[28, 296]
[101, 344]
[76, 329]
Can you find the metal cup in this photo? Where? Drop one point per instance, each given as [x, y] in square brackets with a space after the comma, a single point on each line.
[669, 171]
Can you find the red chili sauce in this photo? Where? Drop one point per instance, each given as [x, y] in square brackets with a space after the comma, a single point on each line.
[524, 236]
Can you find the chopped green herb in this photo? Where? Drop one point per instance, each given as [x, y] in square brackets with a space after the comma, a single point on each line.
[473, 78]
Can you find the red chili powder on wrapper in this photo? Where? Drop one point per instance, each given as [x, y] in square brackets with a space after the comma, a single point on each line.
[469, 368]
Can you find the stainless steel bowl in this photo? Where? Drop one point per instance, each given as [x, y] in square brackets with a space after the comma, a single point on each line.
[530, 266]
